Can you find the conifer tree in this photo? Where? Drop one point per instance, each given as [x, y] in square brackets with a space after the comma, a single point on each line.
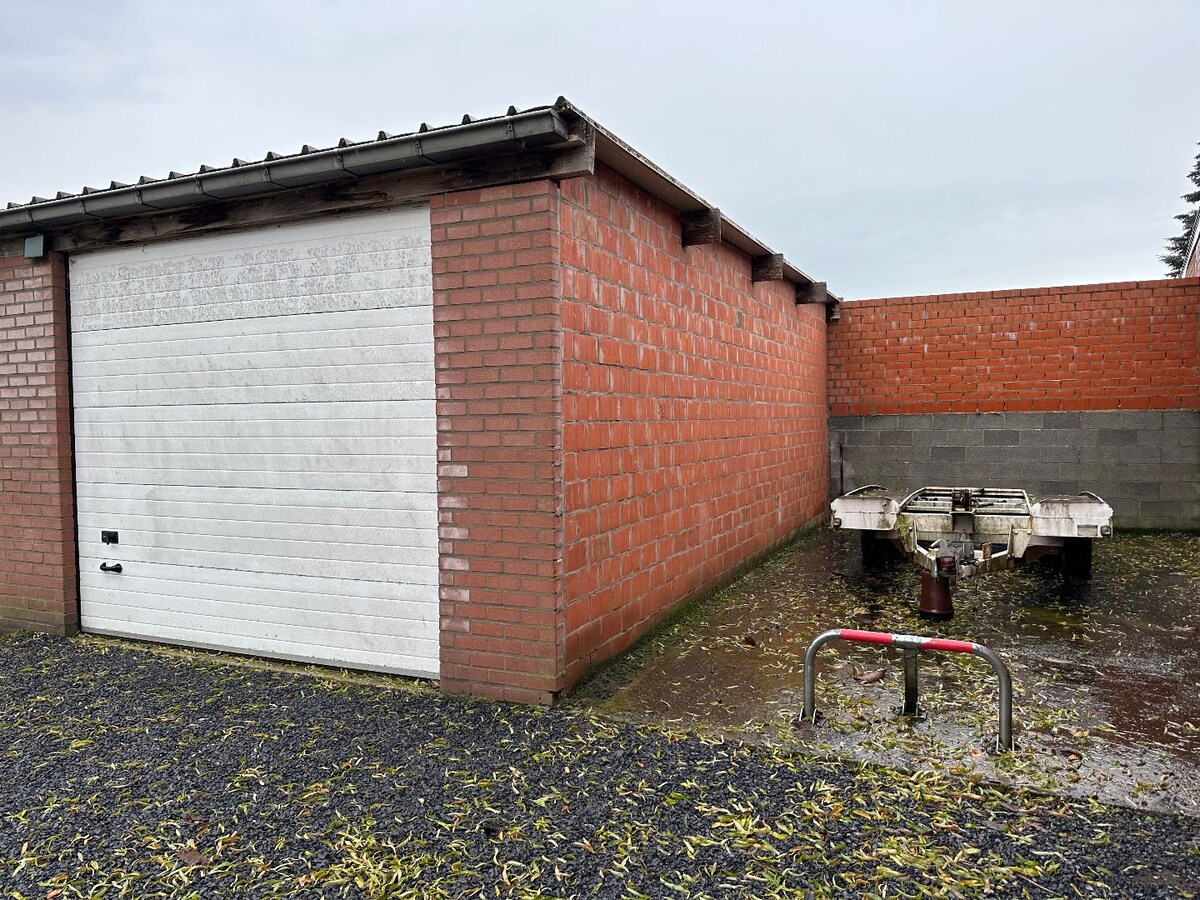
[1177, 247]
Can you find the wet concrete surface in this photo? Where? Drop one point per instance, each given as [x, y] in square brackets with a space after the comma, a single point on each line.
[1106, 672]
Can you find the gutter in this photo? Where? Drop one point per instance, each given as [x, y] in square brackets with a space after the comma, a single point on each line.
[534, 128]
[541, 127]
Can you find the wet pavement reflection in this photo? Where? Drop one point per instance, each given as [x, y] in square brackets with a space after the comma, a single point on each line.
[1105, 671]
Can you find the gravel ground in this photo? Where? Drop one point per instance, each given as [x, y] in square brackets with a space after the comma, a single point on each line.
[125, 773]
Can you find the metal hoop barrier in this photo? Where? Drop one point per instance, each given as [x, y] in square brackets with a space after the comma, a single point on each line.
[911, 645]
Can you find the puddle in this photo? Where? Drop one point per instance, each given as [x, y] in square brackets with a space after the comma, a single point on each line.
[1106, 673]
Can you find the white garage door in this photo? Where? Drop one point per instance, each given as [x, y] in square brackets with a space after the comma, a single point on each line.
[254, 420]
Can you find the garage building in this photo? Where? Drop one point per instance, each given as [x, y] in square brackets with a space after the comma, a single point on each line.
[479, 403]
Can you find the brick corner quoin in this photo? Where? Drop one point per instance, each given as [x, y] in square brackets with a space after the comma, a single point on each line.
[498, 358]
[38, 576]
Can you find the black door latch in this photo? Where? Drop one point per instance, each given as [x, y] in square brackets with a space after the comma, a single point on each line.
[105, 567]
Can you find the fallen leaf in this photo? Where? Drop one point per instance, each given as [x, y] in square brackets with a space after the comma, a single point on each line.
[749, 641]
[190, 856]
[872, 677]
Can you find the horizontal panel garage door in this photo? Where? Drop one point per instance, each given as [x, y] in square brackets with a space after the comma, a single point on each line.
[254, 420]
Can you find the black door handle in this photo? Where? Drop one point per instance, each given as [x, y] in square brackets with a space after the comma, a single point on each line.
[105, 567]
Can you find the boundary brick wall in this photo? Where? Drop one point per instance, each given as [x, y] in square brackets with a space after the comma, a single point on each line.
[498, 357]
[38, 580]
[1057, 390]
[694, 414]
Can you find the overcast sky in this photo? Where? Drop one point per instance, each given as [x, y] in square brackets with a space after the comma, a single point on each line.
[886, 147]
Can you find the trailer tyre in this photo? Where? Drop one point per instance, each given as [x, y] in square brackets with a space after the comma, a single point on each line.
[877, 552]
[1077, 558]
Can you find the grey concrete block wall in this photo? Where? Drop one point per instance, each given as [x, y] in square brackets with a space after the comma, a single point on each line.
[1145, 463]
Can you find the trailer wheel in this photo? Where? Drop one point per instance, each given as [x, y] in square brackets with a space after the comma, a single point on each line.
[876, 552]
[1077, 558]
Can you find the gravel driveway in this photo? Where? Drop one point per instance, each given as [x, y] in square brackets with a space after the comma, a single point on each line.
[125, 773]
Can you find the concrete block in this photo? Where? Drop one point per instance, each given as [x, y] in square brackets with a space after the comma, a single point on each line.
[847, 423]
[1021, 421]
[1081, 473]
[1148, 419]
[1058, 420]
[1043, 455]
[860, 438]
[1183, 437]
[1180, 490]
[988, 475]
[1160, 471]
[1181, 418]
[1091, 455]
[891, 423]
[961, 437]
[1134, 490]
[1049, 437]
[1148, 453]
[1001, 438]
[928, 437]
[983, 420]
[1170, 510]
[1117, 437]
[948, 454]
[911, 456]
[1174, 452]
[1054, 489]
[1098, 420]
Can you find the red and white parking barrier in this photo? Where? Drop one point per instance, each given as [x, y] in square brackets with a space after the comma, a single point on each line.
[911, 645]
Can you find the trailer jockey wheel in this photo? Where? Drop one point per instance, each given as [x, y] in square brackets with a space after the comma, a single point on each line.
[936, 602]
[1077, 558]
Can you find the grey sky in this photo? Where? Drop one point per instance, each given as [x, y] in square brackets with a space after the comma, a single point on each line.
[886, 147]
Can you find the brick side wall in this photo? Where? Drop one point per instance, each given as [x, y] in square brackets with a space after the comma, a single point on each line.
[1134, 345]
[694, 414]
[498, 352]
[38, 583]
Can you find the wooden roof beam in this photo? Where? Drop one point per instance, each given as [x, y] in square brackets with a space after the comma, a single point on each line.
[768, 267]
[701, 226]
[814, 292]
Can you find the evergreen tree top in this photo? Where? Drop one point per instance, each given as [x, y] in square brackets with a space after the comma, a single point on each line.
[1176, 257]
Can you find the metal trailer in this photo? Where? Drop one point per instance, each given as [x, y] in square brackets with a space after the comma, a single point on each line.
[957, 532]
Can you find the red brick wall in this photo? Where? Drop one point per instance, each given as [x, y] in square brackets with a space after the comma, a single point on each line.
[1132, 345]
[498, 352]
[38, 583]
[694, 416]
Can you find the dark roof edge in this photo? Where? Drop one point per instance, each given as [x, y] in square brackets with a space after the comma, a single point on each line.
[535, 127]
[544, 126]
[626, 161]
